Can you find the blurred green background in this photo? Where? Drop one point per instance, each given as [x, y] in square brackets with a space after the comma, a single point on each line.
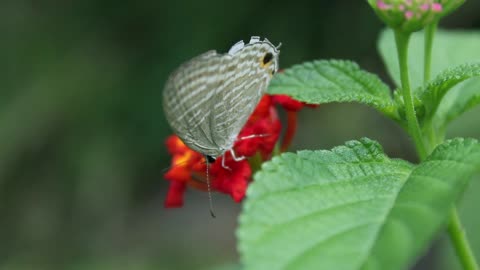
[82, 129]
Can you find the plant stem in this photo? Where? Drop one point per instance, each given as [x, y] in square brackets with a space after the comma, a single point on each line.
[460, 242]
[455, 228]
[401, 39]
[429, 35]
[428, 41]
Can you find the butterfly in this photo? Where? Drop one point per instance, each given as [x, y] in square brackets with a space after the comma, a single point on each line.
[208, 99]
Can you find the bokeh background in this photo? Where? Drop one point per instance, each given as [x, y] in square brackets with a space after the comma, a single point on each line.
[82, 129]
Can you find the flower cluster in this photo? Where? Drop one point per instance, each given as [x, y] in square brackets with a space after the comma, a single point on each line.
[412, 15]
[188, 168]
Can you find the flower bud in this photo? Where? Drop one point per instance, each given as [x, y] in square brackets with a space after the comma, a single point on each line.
[412, 15]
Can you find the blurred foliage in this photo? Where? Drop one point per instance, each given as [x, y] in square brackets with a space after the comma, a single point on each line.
[82, 128]
[469, 204]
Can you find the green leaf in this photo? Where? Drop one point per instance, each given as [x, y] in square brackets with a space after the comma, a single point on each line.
[457, 101]
[450, 48]
[351, 207]
[433, 94]
[334, 81]
[435, 90]
[229, 266]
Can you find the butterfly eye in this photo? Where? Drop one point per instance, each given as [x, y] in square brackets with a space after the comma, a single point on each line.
[267, 58]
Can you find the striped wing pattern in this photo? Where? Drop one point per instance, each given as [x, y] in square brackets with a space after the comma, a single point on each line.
[208, 99]
[239, 93]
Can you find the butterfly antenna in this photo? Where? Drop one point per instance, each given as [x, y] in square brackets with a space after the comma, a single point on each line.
[209, 189]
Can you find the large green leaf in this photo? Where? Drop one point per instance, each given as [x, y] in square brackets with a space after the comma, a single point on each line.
[351, 207]
[334, 81]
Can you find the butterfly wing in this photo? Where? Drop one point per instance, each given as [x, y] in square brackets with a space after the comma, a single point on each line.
[246, 81]
[187, 97]
[208, 99]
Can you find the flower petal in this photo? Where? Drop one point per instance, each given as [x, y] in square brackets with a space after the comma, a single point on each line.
[175, 194]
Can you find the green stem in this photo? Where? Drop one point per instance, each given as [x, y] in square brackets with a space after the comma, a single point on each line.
[401, 39]
[460, 242]
[427, 63]
[428, 128]
[455, 229]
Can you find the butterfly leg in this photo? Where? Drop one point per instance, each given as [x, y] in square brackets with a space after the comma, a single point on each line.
[235, 157]
[252, 136]
[225, 165]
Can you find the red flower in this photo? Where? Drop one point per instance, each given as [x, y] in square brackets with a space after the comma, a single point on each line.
[259, 136]
[291, 104]
[175, 194]
[288, 103]
[265, 125]
[233, 181]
